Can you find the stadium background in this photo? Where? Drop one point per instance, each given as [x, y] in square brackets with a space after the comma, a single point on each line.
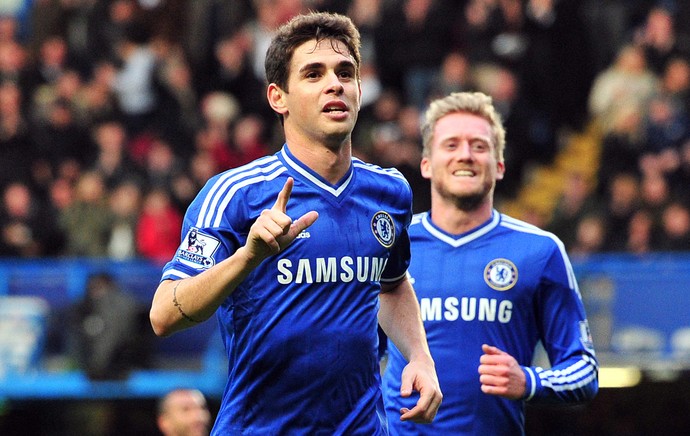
[114, 112]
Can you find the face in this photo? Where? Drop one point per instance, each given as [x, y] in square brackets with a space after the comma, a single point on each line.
[186, 415]
[462, 163]
[324, 94]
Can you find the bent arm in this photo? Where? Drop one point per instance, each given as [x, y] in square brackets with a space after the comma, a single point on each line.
[179, 304]
[183, 303]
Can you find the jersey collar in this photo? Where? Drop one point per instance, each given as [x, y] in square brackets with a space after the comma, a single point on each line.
[464, 238]
[314, 178]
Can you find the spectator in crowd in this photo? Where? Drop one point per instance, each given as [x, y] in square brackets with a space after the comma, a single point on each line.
[18, 156]
[183, 412]
[27, 228]
[88, 221]
[675, 228]
[410, 43]
[622, 200]
[576, 201]
[125, 203]
[658, 38]
[106, 332]
[134, 84]
[158, 227]
[112, 159]
[590, 236]
[626, 84]
[641, 231]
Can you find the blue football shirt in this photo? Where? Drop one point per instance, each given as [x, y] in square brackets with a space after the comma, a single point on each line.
[507, 284]
[301, 330]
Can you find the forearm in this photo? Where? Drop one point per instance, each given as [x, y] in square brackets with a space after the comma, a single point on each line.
[400, 319]
[179, 304]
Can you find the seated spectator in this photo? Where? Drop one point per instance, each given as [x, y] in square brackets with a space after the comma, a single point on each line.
[590, 236]
[87, 221]
[107, 331]
[641, 233]
[125, 202]
[576, 201]
[158, 229]
[621, 202]
[27, 229]
[675, 228]
[627, 84]
[113, 160]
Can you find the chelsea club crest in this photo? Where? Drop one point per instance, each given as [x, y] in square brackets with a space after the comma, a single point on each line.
[501, 274]
[383, 228]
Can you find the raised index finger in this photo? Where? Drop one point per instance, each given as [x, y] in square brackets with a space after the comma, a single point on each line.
[284, 196]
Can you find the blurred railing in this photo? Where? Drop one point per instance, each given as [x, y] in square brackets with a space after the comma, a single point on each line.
[638, 308]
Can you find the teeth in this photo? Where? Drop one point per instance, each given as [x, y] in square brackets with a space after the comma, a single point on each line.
[463, 173]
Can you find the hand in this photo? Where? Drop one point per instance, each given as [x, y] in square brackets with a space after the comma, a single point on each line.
[274, 230]
[500, 374]
[421, 377]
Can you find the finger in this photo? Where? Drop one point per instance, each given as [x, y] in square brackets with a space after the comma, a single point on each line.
[284, 196]
[488, 349]
[302, 223]
[420, 413]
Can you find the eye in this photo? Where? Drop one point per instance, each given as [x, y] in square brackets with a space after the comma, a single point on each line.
[312, 75]
[480, 146]
[346, 74]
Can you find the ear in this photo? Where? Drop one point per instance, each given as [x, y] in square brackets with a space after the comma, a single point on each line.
[276, 99]
[500, 170]
[425, 168]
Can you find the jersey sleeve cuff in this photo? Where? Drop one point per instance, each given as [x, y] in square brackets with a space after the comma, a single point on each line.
[530, 383]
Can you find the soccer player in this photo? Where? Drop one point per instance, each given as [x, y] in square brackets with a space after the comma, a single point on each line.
[490, 288]
[299, 253]
[183, 412]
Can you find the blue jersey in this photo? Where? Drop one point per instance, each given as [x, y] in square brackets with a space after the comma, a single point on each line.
[507, 284]
[301, 330]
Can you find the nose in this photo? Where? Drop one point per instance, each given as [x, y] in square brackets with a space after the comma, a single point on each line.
[334, 84]
[464, 151]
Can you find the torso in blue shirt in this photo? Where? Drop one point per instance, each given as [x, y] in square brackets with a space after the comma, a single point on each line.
[505, 283]
[301, 330]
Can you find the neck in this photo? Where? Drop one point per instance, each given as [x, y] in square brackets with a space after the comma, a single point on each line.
[453, 219]
[331, 163]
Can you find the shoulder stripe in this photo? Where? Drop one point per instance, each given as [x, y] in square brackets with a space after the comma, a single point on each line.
[175, 273]
[521, 226]
[219, 188]
[393, 172]
[236, 186]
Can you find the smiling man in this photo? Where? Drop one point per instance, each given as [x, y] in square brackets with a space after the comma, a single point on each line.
[490, 288]
[305, 252]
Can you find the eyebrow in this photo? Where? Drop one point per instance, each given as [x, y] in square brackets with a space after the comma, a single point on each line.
[319, 65]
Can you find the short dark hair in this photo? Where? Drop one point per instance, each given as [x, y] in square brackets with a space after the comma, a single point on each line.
[302, 28]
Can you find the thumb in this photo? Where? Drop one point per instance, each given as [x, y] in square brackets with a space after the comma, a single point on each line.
[406, 385]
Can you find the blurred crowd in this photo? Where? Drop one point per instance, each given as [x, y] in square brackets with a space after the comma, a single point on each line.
[114, 113]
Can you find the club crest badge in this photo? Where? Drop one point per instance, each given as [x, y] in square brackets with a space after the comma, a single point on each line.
[383, 228]
[197, 249]
[501, 274]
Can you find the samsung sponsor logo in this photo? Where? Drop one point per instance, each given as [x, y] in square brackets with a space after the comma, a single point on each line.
[466, 309]
[331, 270]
